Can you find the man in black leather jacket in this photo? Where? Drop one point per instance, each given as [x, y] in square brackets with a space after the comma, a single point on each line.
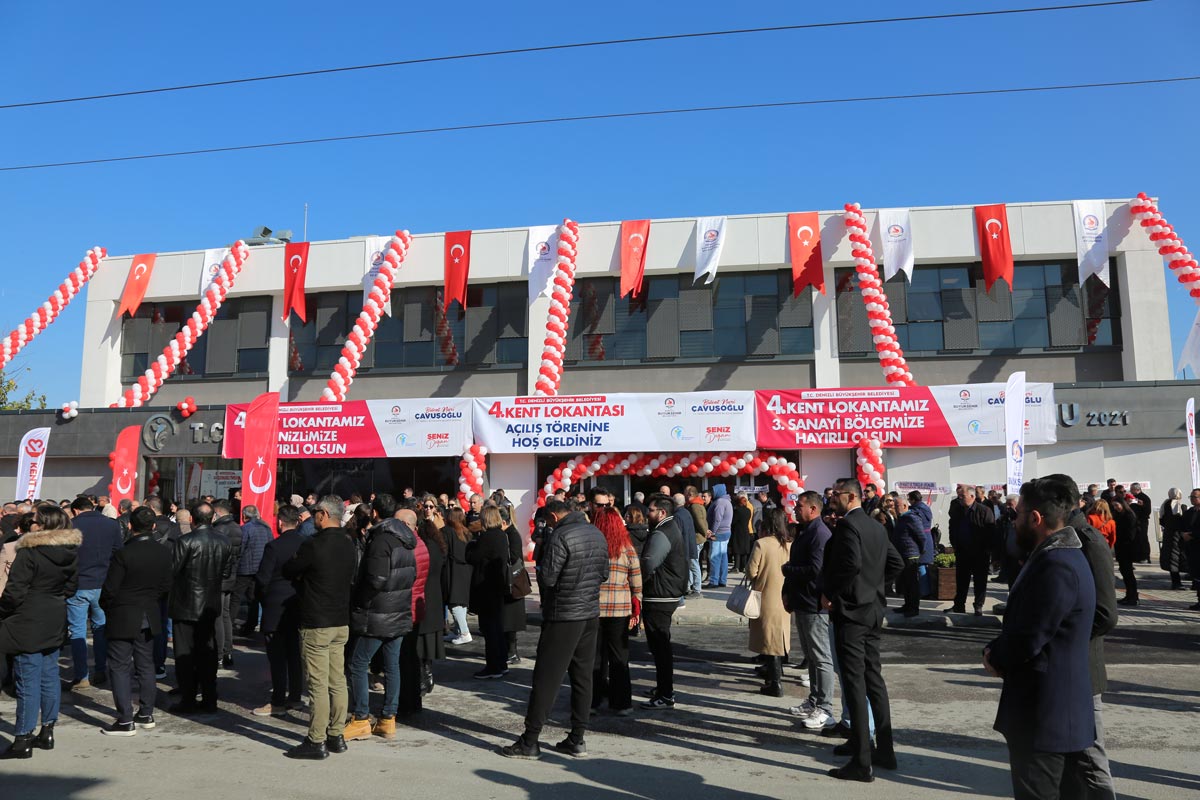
[201, 560]
[573, 562]
[226, 524]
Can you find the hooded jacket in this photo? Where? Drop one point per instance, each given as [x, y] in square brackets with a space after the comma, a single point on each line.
[383, 593]
[720, 513]
[33, 608]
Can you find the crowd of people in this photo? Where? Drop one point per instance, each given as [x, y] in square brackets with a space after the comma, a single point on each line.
[361, 595]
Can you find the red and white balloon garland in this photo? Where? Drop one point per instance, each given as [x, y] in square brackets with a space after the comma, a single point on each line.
[471, 468]
[879, 313]
[1170, 245]
[665, 465]
[555, 346]
[48, 311]
[368, 319]
[869, 462]
[177, 349]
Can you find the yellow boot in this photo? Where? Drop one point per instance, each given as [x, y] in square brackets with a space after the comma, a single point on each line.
[385, 727]
[358, 729]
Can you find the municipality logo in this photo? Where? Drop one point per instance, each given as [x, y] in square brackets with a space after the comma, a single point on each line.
[678, 434]
[895, 232]
[402, 440]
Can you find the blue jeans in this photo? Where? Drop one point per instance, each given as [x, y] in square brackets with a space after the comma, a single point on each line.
[38, 689]
[365, 648]
[846, 711]
[694, 577]
[718, 560]
[83, 604]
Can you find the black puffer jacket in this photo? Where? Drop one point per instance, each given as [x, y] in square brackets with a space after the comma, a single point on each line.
[201, 561]
[665, 563]
[383, 592]
[574, 562]
[33, 609]
[228, 526]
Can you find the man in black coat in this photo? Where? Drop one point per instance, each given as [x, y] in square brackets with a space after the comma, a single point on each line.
[665, 571]
[1142, 507]
[226, 525]
[573, 563]
[972, 528]
[165, 530]
[138, 581]
[1042, 654]
[200, 561]
[859, 561]
[280, 623]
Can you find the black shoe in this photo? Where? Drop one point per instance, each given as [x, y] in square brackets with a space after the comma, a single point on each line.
[335, 744]
[514, 659]
[144, 721]
[489, 674]
[308, 749]
[99, 679]
[120, 729]
[845, 749]
[1127, 601]
[1194, 607]
[659, 702]
[569, 747]
[979, 611]
[45, 738]
[771, 689]
[21, 747]
[519, 749]
[227, 662]
[849, 773]
[999, 609]
[841, 730]
[885, 760]
[957, 610]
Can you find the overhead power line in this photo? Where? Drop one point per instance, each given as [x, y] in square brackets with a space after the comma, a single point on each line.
[568, 46]
[596, 117]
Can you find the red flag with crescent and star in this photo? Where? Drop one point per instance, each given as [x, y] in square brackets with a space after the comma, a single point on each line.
[458, 267]
[994, 245]
[804, 248]
[123, 461]
[136, 283]
[635, 235]
[295, 270]
[258, 456]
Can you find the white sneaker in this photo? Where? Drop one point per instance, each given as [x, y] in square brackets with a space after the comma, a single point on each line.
[805, 681]
[817, 720]
[804, 709]
[463, 639]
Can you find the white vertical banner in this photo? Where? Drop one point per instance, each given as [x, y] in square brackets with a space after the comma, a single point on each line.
[211, 266]
[541, 254]
[372, 263]
[896, 235]
[1014, 430]
[1191, 440]
[194, 480]
[31, 463]
[1091, 240]
[710, 239]
[180, 475]
[1190, 355]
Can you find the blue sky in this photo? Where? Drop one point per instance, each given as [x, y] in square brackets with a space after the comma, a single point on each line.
[1093, 143]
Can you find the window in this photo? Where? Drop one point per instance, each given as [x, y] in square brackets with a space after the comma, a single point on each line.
[234, 344]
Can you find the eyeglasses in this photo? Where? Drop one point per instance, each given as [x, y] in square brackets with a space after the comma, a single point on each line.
[430, 505]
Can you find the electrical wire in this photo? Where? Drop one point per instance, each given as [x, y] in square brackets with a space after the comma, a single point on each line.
[596, 117]
[568, 46]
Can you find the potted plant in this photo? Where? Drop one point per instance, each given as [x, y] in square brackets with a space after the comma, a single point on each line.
[944, 583]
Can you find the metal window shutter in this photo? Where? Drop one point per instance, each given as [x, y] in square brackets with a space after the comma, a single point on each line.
[662, 328]
[221, 358]
[418, 316]
[331, 318]
[696, 309]
[161, 334]
[574, 348]
[479, 332]
[135, 335]
[854, 334]
[596, 299]
[512, 305]
[960, 331]
[996, 305]
[762, 333]
[897, 295]
[254, 325]
[1065, 312]
[796, 312]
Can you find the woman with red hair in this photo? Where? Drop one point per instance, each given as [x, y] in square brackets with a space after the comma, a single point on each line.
[620, 607]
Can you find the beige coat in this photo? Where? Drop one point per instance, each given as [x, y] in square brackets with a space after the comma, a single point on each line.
[771, 633]
[7, 553]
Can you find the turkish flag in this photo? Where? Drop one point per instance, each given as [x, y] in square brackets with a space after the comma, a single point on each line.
[261, 444]
[458, 266]
[635, 235]
[991, 222]
[136, 283]
[804, 247]
[295, 269]
[123, 462]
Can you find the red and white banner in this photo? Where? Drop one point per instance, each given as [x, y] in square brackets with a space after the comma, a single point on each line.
[901, 416]
[804, 249]
[123, 462]
[135, 285]
[360, 429]
[258, 477]
[895, 233]
[710, 241]
[635, 236]
[31, 463]
[458, 268]
[295, 272]
[1190, 421]
[995, 246]
[616, 422]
